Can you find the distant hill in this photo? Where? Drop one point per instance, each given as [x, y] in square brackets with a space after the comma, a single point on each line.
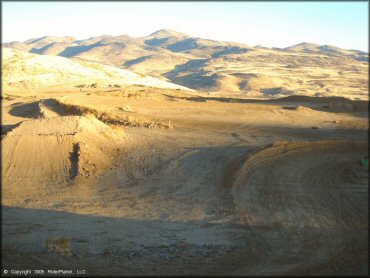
[219, 66]
[329, 50]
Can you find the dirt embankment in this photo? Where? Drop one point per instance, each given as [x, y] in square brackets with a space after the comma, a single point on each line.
[50, 152]
[110, 118]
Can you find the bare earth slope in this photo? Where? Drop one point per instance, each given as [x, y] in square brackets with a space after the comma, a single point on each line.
[224, 67]
[21, 70]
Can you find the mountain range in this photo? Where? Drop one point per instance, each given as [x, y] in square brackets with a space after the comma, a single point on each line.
[218, 66]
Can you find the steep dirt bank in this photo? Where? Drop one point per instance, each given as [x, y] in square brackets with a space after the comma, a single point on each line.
[40, 155]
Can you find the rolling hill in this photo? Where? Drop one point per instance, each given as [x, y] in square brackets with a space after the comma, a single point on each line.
[22, 70]
[219, 66]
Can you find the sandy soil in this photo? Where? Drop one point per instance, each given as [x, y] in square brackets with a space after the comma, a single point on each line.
[172, 183]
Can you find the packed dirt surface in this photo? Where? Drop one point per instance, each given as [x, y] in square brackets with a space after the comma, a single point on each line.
[311, 200]
[147, 181]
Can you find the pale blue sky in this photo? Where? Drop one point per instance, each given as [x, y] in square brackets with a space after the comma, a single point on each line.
[271, 24]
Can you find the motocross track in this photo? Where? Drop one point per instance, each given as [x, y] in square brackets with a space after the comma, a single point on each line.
[178, 184]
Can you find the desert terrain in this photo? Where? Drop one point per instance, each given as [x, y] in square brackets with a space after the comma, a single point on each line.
[184, 156]
[220, 67]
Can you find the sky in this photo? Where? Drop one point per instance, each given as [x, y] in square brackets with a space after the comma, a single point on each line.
[270, 24]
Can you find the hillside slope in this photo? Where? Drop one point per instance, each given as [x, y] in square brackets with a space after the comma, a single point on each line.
[223, 67]
[25, 70]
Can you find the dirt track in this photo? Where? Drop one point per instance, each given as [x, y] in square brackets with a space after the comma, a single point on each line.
[207, 194]
[311, 198]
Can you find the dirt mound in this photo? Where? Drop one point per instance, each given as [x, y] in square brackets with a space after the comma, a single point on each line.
[110, 118]
[49, 108]
[54, 151]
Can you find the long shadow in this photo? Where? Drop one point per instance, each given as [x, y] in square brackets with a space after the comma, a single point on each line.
[135, 61]
[6, 128]
[41, 49]
[230, 50]
[53, 105]
[329, 104]
[100, 244]
[74, 160]
[183, 45]
[195, 79]
[196, 66]
[309, 133]
[156, 41]
[25, 110]
[358, 108]
[134, 241]
[32, 110]
[75, 50]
